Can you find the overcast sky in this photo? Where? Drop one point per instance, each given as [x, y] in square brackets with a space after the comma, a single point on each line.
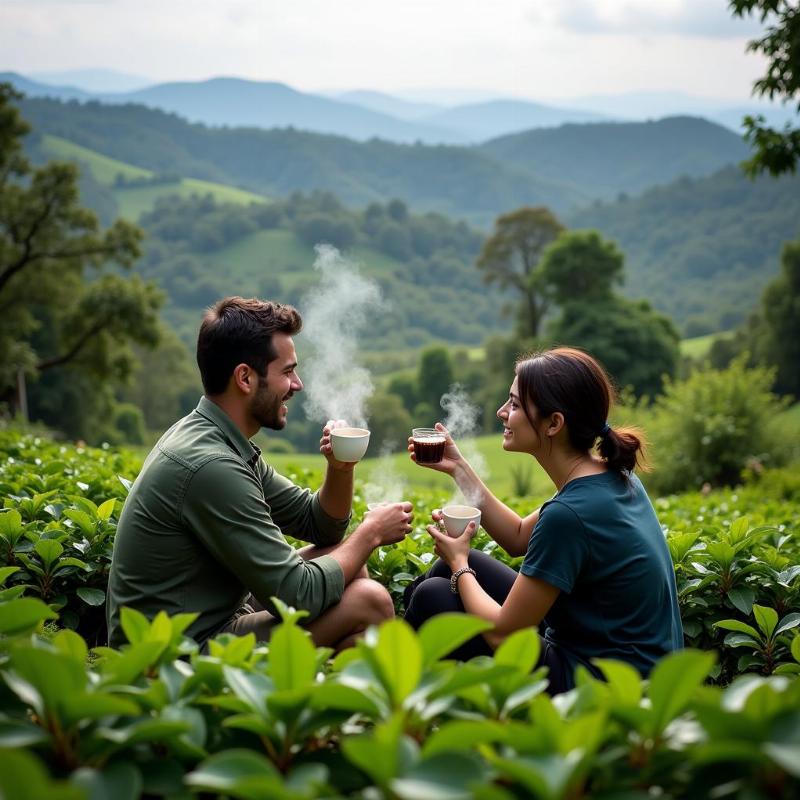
[526, 48]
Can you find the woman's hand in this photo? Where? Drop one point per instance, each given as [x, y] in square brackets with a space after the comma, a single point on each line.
[454, 551]
[326, 448]
[452, 457]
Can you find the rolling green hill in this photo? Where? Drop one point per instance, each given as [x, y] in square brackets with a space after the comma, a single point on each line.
[133, 200]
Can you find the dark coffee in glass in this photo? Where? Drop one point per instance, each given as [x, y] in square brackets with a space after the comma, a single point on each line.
[428, 445]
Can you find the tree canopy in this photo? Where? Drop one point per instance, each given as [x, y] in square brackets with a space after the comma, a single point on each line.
[776, 151]
[53, 310]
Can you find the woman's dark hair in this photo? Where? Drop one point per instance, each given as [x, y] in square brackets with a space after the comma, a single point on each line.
[568, 380]
[238, 331]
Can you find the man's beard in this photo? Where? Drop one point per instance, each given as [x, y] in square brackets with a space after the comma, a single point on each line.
[266, 407]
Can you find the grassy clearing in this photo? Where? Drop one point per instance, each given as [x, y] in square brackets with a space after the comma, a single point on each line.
[135, 200]
[698, 346]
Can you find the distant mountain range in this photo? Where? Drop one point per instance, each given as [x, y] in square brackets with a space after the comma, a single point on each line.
[364, 115]
[564, 168]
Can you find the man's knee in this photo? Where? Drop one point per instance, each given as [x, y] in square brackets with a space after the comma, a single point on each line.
[371, 599]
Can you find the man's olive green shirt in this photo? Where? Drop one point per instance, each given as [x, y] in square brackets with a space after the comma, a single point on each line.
[204, 525]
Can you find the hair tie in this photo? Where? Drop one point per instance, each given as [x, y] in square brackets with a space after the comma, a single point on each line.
[606, 429]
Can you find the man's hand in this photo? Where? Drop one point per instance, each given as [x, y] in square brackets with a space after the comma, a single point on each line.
[327, 450]
[387, 524]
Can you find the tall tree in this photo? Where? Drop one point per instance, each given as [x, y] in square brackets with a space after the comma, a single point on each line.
[511, 257]
[776, 151]
[53, 310]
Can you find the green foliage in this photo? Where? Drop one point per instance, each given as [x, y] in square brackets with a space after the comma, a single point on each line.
[776, 151]
[434, 375]
[511, 257]
[54, 314]
[392, 715]
[389, 422]
[712, 425]
[636, 344]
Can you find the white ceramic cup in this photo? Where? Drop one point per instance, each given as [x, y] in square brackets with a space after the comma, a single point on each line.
[456, 518]
[349, 444]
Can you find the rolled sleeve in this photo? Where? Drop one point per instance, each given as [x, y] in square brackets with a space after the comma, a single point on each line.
[298, 512]
[224, 507]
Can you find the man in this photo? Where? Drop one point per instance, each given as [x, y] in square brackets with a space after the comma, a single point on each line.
[203, 528]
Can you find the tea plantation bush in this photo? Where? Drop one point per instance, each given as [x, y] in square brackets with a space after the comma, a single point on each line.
[390, 718]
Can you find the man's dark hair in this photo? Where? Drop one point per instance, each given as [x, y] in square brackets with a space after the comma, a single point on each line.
[238, 331]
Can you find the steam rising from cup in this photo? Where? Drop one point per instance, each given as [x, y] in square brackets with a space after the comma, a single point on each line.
[385, 485]
[336, 386]
[461, 419]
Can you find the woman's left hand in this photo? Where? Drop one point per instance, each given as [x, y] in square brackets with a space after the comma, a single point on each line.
[454, 551]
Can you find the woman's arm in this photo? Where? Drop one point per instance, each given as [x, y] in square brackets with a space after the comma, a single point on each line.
[526, 605]
[527, 602]
[505, 526]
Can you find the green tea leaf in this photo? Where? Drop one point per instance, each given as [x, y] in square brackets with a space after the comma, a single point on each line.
[10, 525]
[23, 615]
[23, 777]
[742, 599]
[92, 597]
[448, 776]
[118, 781]
[5, 572]
[521, 650]
[624, 681]
[292, 658]
[133, 662]
[399, 655]
[134, 624]
[458, 735]
[239, 773]
[48, 550]
[787, 623]
[71, 644]
[740, 627]
[767, 619]
[673, 682]
[444, 632]
[105, 510]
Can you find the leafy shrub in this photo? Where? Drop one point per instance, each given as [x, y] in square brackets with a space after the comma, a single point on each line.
[712, 426]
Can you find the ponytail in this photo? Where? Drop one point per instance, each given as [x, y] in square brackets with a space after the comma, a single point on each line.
[623, 449]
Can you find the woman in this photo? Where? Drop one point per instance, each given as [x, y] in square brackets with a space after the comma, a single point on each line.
[596, 570]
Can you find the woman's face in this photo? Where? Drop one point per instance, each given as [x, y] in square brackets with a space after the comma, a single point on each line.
[519, 436]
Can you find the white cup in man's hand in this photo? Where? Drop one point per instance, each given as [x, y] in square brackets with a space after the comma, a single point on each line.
[349, 444]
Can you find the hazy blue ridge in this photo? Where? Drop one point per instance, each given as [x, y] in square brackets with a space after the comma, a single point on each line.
[611, 157]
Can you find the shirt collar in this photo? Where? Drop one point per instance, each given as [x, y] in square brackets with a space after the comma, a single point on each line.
[243, 446]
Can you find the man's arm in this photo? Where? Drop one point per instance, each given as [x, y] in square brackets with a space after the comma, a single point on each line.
[224, 507]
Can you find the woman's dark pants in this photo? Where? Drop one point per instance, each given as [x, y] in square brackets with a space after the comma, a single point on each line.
[430, 595]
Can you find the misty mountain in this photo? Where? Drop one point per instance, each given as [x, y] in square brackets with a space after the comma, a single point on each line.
[611, 157]
[31, 88]
[389, 104]
[481, 121]
[94, 80]
[459, 181]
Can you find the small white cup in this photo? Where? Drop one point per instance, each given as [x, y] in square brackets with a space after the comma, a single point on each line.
[349, 444]
[456, 518]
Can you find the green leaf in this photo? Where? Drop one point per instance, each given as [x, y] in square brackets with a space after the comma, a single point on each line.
[672, 683]
[520, 649]
[105, 510]
[767, 619]
[71, 644]
[624, 681]
[20, 733]
[459, 735]
[44, 678]
[742, 599]
[441, 777]
[377, 753]
[48, 550]
[292, 658]
[545, 776]
[251, 687]
[10, 525]
[344, 698]
[739, 528]
[92, 597]
[399, 655]
[134, 661]
[796, 648]
[118, 781]
[23, 615]
[742, 640]
[134, 624]
[785, 755]
[740, 627]
[443, 633]
[85, 523]
[238, 773]
[787, 623]
[23, 777]
[84, 706]
[5, 572]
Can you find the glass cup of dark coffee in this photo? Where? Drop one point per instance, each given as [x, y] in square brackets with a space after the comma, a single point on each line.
[428, 445]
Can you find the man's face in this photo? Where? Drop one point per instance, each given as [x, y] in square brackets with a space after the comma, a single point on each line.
[268, 405]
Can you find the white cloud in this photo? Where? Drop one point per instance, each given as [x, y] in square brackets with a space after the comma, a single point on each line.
[709, 19]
